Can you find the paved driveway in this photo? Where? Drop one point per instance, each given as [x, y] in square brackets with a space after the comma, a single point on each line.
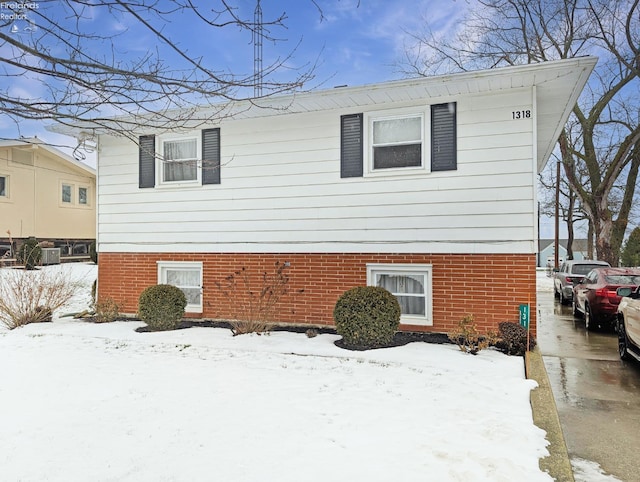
[597, 395]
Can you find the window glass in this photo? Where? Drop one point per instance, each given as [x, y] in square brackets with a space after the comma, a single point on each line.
[186, 277]
[3, 186]
[397, 142]
[82, 195]
[66, 193]
[409, 289]
[584, 268]
[180, 160]
[623, 279]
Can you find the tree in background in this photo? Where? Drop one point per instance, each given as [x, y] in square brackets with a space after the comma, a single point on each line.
[631, 252]
[81, 62]
[600, 146]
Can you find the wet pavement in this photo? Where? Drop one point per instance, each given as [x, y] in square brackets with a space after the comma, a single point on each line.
[597, 395]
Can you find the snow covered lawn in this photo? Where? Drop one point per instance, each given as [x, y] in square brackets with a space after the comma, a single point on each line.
[81, 401]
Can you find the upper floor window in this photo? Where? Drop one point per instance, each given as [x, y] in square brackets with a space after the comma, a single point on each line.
[83, 195]
[180, 160]
[67, 196]
[408, 141]
[397, 142]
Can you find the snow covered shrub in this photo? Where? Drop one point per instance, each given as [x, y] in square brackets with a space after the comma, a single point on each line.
[512, 339]
[366, 317]
[468, 338]
[33, 296]
[30, 253]
[162, 307]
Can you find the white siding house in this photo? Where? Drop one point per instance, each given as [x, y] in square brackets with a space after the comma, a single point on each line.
[425, 186]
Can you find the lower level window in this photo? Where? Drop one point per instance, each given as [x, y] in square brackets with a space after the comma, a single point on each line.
[3, 186]
[184, 275]
[410, 284]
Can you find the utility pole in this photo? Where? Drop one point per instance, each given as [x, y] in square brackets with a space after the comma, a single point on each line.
[556, 261]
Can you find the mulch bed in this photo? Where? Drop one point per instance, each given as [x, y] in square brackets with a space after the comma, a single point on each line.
[401, 338]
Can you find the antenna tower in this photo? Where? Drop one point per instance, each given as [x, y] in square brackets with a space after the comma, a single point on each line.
[257, 51]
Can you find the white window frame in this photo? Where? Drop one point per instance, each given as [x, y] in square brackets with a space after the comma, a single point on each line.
[409, 269]
[160, 161]
[7, 192]
[371, 117]
[163, 266]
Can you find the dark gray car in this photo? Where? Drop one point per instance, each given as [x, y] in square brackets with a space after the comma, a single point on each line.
[572, 272]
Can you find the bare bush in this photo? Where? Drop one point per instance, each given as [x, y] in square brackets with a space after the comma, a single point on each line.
[468, 337]
[254, 300]
[107, 310]
[32, 296]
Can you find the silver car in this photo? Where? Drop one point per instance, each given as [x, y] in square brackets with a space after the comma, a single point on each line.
[571, 272]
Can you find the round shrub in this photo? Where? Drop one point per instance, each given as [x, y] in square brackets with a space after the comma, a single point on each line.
[161, 307]
[30, 253]
[367, 317]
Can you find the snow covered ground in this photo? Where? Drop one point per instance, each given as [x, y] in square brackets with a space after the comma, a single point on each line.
[80, 401]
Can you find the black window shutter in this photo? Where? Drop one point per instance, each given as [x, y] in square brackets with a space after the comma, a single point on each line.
[211, 156]
[147, 161]
[443, 137]
[351, 145]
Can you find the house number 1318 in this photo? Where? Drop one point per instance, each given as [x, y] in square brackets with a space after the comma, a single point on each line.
[521, 114]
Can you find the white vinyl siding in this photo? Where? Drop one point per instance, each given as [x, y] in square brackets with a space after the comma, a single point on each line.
[184, 275]
[282, 191]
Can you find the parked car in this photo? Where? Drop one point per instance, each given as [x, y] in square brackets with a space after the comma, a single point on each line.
[628, 323]
[571, 272]
[596, 297]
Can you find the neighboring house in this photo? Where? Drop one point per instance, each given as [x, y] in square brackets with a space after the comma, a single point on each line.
[46, 194]
[546, 251]
[424, 186]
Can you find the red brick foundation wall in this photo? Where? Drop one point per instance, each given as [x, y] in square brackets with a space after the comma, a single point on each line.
[489, 286]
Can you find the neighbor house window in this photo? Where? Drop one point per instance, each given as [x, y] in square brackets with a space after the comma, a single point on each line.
[83, 195]
[180, 160]
[67, 189]
[4, 186]
[188, 277]
[410, 284]
[397, 142]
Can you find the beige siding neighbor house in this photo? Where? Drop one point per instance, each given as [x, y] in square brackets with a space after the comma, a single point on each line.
[46, 194]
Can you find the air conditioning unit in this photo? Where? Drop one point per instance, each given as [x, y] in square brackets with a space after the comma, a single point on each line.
[50, 256]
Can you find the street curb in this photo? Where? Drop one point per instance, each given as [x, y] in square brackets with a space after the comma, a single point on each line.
[545, 416]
